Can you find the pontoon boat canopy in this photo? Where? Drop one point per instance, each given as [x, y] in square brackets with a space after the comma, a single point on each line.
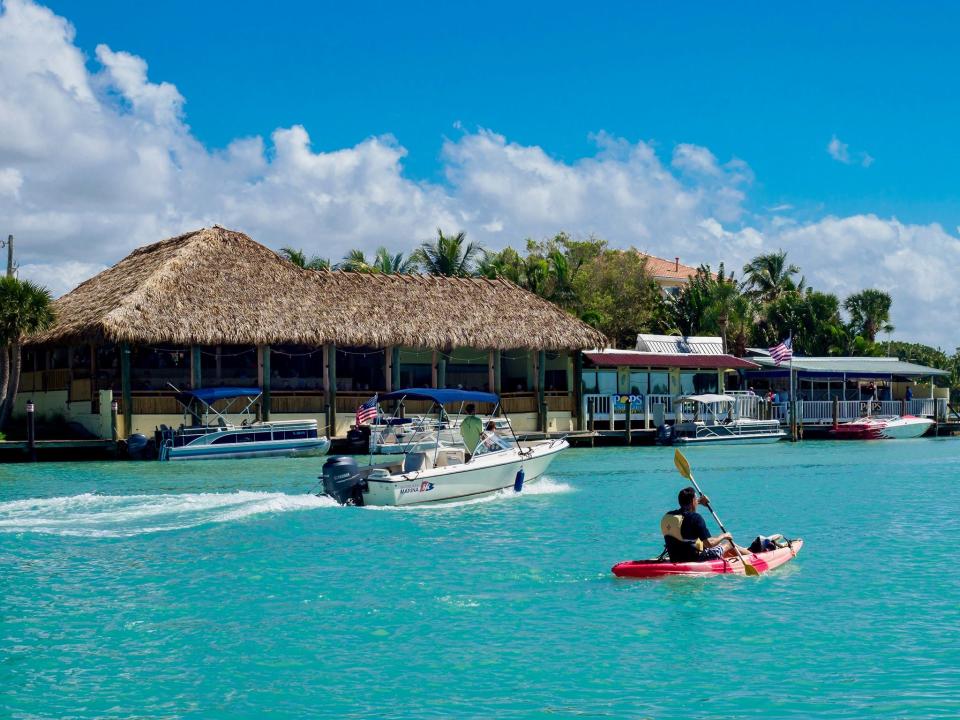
[708, 398]
[211, 395]
[442, 396]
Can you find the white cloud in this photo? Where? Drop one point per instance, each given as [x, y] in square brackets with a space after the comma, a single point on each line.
[840, 152]
[93, 164]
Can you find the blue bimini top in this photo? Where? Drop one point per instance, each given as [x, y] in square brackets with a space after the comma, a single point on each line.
[211, 395]
[442, 396]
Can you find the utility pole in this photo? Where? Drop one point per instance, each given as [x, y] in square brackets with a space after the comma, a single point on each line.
[9, 245]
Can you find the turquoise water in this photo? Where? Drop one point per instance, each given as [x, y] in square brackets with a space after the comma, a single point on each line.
[158, 591]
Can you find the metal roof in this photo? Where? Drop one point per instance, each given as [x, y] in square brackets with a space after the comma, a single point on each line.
[863, 366]
[676, 344]
[632, 358]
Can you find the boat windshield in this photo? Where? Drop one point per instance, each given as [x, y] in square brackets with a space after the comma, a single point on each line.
[491, 443]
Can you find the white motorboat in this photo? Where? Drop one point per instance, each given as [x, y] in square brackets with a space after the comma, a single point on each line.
[444, 472]
[714, 419]
[211, 435]
[883, 427]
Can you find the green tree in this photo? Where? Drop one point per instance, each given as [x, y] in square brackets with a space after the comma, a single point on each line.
[619, 297]
[389, 264]
[355, 261]
[869, 313]
[768, 277]
[449, 255]
[24, 308]
[300, 259]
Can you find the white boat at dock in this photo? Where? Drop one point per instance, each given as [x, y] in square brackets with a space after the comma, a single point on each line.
[211, 435]
[883, 427]
[713, 419]
[446, 472]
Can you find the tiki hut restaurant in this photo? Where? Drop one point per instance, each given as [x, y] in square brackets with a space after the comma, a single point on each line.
[214, 308]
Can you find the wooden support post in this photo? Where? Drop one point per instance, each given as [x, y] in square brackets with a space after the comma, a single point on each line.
[541, 375]
[125, 388]
[331, 379]
[395, 367]
[793, 420]
[433, 370]
[263, 375]
[497, 372]
[629, 422]
[590, 419]
[114, 430]
[490, 372]
[196, 372]
[836, 412]
[442, 371]
[577, 387]
[388, 369]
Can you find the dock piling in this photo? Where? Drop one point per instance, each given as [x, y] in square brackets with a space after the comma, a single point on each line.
[31, 431]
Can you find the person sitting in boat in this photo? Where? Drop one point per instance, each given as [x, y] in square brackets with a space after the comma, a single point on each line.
[471, 429]
[490, 439]
[686, 536]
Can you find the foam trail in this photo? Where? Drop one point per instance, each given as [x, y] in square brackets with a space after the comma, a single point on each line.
[93, 515]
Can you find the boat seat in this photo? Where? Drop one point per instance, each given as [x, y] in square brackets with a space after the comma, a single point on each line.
[412, 462]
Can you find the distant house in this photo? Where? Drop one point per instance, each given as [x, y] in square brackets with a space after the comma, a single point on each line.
[215, 308]
[670, 275]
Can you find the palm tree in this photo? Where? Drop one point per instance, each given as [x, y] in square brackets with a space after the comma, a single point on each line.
[449, 255]
[25, 307]
[390, 264]
[299, 258]
[869, 313]
[722, 304]
[355, 261]
[769, 277]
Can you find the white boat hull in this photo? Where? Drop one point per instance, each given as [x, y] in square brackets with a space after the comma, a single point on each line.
[906, 428]
[731, 439]
[481, 476]
[279, 448]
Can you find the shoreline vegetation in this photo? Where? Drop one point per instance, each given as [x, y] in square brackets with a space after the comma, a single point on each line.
[617, 293]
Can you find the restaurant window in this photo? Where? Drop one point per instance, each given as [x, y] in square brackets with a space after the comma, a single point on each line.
[607, 382]
[228, 366]
[555, 372]
[515, 371]
[660, 383]
[157, 368]
[589, 382]
[416, 369]
[468, 369]
[697, 383]
[639, 382]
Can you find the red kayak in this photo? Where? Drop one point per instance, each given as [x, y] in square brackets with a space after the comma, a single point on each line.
[659, 568]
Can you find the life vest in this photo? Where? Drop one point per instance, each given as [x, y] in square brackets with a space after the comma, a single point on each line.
[670, 525]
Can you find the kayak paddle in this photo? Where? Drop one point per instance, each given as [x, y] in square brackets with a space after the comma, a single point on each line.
[684, 467]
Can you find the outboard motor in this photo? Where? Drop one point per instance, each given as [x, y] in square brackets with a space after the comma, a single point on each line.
[137, 446]
[665, 434]
[342, 480]
[358, 439]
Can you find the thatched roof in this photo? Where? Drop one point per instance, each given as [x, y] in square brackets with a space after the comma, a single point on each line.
[218, 287]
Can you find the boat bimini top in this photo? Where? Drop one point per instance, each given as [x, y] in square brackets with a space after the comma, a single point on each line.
[205, 397]
[443, 396]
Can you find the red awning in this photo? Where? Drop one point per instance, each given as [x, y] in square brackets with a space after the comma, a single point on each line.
[629, 358]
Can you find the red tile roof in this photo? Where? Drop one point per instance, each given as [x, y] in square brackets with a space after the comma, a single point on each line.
[663, 360]
[673, 269]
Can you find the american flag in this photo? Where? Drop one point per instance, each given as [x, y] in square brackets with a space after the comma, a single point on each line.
[367, 411]
[783, 351]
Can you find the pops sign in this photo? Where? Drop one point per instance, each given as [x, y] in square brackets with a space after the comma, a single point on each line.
[619, 403]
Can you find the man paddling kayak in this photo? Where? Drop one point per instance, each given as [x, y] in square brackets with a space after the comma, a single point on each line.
[686, 536]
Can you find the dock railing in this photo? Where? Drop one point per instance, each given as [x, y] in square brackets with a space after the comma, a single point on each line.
[601, 408]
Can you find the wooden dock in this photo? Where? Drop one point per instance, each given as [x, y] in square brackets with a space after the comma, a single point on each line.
[20, 451]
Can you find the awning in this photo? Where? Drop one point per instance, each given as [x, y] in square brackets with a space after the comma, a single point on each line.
[442, 396]
[630, 358]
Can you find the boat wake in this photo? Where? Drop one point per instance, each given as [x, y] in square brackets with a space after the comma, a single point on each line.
[93, 515]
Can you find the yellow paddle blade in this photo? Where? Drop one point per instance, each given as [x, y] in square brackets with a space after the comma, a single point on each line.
[681, 462]
[750, 570]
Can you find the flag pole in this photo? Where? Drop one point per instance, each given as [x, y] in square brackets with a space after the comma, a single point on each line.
[793, 397]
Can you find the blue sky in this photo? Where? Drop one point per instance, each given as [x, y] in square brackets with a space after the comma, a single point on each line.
[758, 81]
[708, 131]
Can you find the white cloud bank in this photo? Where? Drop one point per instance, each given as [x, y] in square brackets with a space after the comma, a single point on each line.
[95, 164]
